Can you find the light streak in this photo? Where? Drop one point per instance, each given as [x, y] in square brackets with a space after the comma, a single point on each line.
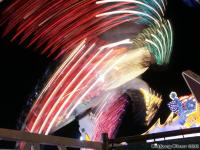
[128, 12]
[162, 1]
[153, 43]
[85, 77]
[66, 89]
[164, 44]
[71, 94]
[132, 1]
[126, 41]
[171, 34]
[161, 45]
[74, 31]
[62, 67]
[159, 7]
[93, 85]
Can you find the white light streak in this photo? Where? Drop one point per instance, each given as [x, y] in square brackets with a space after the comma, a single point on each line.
[159, 7]
[131, 1]
[60, 97]
[161, 46]
[163, 38]
[92, 86]
[71, 94]
[129, 12]
[66, 63]
[154, 44]
[111, 45]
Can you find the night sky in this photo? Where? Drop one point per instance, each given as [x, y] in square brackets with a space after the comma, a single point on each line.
[22, 68]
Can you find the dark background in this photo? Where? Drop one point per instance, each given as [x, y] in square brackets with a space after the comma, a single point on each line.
[22, 68]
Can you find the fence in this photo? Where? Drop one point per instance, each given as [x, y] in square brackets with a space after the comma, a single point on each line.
[34, 141]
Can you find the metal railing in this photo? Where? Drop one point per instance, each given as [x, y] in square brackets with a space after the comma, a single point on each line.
[34, 141]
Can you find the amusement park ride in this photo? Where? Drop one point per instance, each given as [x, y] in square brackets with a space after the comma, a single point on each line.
[102, 48]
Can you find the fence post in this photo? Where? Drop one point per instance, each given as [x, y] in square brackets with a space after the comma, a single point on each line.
[105, 141]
